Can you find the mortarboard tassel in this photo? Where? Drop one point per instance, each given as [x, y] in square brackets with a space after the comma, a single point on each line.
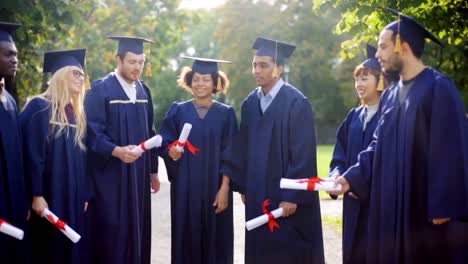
[87, 83]
[219, 85]
[275, 72]
[397, 48]
[380, 85]
[149, 71]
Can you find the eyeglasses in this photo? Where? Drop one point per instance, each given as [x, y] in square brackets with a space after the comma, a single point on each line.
[77, 74]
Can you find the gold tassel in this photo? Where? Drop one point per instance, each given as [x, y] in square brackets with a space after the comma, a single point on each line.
[381, 84]
[275, 72]
[219, 85]
[87, 83]
[397, 48]
[149, 71]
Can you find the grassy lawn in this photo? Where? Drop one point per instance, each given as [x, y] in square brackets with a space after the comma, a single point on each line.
[324, 155]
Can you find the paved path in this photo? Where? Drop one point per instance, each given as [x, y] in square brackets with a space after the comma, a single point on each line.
[161, 232]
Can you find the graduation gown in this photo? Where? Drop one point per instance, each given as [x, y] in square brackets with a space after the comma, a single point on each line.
[14, 202]
[199, 235]
[350, 141]
[279, 143]
[121, 206]
[55, 170]
[414, 171]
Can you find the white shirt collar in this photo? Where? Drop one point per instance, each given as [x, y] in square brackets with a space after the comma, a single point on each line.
[273, 92]
[129, 88]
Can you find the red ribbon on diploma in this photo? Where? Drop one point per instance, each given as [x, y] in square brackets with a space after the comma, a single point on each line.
[3, 221]
[272, 224]
[311, 182]
[194, 150]
[59, 223]
[142, 146]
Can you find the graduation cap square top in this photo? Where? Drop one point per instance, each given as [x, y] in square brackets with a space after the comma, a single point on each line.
[371, 61]
[205, 65]
[6, 30]
[273, 48]
[130, 44]
[410, 31]
[55, 60]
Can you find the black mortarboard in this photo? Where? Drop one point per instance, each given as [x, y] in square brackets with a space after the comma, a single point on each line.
[371, 61]
[130, 44]
[6, 30]
[278, 50]
[204, 65]
[57, 59]
[411, 31]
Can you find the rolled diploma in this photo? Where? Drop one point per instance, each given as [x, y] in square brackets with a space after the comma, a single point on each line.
[263, 219]
[295, 184]
[184, 135]
[149, 144]
[69, 232]
[11, 230]
[333, 175]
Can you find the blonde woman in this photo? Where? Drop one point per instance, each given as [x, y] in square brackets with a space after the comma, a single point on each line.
[54, 125]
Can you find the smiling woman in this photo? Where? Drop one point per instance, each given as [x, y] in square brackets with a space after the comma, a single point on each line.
[200, 4]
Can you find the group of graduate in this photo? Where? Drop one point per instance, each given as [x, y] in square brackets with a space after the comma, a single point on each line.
[401, 157]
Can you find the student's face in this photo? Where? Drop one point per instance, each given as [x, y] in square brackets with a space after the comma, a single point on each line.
[75, 80]
[8, 59]
[131, 66]
[262, 69]
[389, 60]
[366, 86]
[202, 85]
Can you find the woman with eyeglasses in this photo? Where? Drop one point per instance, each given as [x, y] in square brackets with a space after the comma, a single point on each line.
[352, 137]
[54, 125]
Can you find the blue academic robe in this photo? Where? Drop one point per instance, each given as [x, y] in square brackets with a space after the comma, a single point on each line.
[198, 234]
[415, 170]
[55, 170]
[14, 202]
[350, 141]
[121, 206]
[279, 143]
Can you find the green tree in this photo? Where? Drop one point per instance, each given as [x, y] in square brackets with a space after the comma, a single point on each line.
[446, 19]
[315, 67]
[64, 24]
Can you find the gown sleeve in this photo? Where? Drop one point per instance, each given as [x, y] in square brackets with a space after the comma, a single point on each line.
[229, 133]
[169, 132]
[152, 131]
[448, 153]
[302, 162]
[338, 161]
[95, 107]
[35, 126]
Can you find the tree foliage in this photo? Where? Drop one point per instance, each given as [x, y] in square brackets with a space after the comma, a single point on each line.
[446, 19]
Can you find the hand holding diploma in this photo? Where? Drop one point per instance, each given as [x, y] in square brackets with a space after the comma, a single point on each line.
[182, 141]
[268, 217]
[66, 230]
[311, 184]
[11, 230]
[148, 144]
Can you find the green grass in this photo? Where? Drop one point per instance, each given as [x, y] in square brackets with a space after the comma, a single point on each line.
[324, 155]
